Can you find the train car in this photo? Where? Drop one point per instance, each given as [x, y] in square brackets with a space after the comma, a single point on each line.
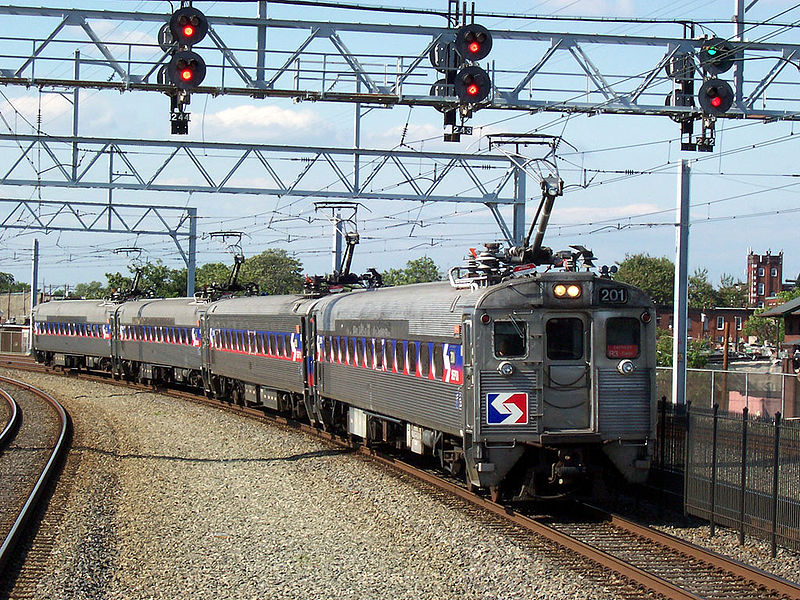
[256, 351]
[160, 340]
[74, 334]
[525, 384]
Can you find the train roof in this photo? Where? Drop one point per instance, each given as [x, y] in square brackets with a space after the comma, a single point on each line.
[172, 311]
[82, 310]
[261, 305]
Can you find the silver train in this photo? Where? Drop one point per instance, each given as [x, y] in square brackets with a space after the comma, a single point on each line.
[529, 387]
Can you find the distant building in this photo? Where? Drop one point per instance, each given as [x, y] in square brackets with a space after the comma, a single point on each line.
[709, 323]
[764, 278]
[790, 313]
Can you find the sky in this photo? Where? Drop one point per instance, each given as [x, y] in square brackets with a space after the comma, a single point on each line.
[620, 172]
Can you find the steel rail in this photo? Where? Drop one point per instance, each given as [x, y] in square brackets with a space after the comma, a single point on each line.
[13, 420]
[47, 474]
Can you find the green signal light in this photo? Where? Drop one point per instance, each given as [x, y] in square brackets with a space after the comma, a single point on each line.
[711, 51]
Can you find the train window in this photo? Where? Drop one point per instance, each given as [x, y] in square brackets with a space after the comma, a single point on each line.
[564, 339]
[622, 337]
[509, 339]
[412, 357]
[379, 355]
[352, 352]
[335, 349]
[438, 361]
[279, 349]
[370, 352]
[425, 359]
[359, 353]
[328, 353]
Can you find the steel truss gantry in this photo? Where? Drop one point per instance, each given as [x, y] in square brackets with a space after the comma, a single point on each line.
[98, 217]
[228, 168]
[313, 61]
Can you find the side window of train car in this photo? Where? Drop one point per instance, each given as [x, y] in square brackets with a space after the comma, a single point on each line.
[370, 354]
[438, 361]
[400, 356]
[564, 339]
[622, 337]
[359, 354]
[335, 356]
[412, 357]
[424, 359]
[279, 350]
[379, 354]
[509, 339]
[353, 361]
[328, 355]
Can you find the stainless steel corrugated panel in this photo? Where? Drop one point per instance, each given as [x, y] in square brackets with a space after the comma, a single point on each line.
[259, 305]
[433, 404]
[73, 345]
[84, 311]
[492, 382]
[624, 401]
[426, 307]
[181, 312]
[273, 373]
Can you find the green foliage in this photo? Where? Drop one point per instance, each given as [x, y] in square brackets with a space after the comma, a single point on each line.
[211, 273]
[763, 328]
[91, 290]
[655, 276]
[701, 292]
[697, 351]
[157, 277]
[420, 270]
[731, 292]
[8, 284]
[274, 271]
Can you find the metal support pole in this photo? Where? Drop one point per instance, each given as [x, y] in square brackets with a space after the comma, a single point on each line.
[775, 471]
[713, 498]
[75, 93]
[110, 182]
[191, 263]
[743, 483]
[34, 285]
[520, 184]
[686, 459]
[738, 64]
[262, 44]
[357, 142]
[680, 309]
[338, 234]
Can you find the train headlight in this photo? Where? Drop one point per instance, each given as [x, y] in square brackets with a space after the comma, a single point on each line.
[505, 368]
[626, 367]
[561, 290]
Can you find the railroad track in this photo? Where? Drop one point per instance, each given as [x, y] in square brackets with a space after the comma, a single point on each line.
[648, 560]
[30, 451]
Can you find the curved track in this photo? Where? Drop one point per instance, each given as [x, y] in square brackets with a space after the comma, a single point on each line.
[29, 460]
[658, 563]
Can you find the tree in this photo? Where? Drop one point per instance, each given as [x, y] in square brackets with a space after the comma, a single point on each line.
[655, 276]
[420, 270]
[8, 284]
[274, 271]
[697, 351]
[211, 273]
[731, 292]
[157, 277]
[91, 290]
[763, 328]
[701, 292]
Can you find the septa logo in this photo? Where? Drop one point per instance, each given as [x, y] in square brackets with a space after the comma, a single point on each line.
[507, 409]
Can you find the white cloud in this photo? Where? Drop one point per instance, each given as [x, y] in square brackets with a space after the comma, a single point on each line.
[262, 123]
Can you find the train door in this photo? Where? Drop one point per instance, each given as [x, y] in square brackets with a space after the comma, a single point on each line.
[567, 372]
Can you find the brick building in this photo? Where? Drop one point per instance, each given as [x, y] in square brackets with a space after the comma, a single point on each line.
[709, 323]
[764, 278]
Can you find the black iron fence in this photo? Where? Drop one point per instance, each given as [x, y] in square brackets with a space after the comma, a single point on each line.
[739, 471]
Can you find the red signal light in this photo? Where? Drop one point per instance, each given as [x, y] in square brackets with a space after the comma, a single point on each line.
[188, 31]
[186, 75]
[473, 89]
[716, 102]
[474, 47]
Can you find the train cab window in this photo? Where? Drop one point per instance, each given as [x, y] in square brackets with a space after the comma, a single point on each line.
[379, 355]
[509, 339]
[424, 359]
[564, 339]
[622, 337]
[438, 361]
[400, 356]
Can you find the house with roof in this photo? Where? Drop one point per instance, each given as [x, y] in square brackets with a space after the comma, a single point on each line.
[790, 313]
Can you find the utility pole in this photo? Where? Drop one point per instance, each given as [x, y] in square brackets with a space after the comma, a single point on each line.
[34, 285]
[680, 308]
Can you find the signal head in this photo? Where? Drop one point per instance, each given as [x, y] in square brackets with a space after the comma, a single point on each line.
[188, 26]
[473, 42]
[472, 85]
[715, 96]
[186, 70]
[716, 55]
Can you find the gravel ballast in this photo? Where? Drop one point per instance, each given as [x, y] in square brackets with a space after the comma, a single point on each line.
[175, 500]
